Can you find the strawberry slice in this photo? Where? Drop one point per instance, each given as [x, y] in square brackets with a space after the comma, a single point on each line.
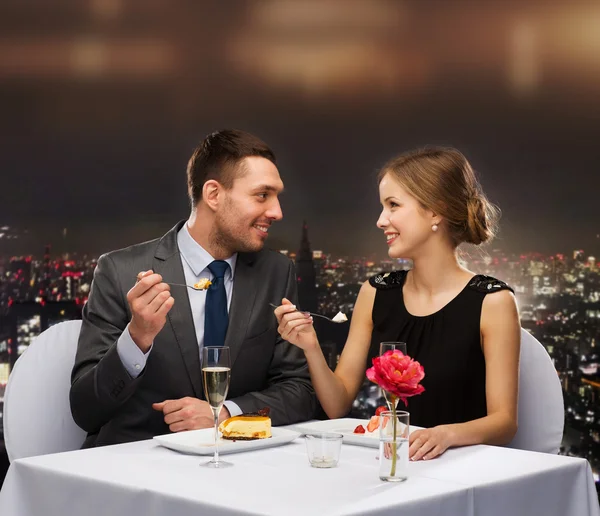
[373, 424]
[359, 429]
[380, 410]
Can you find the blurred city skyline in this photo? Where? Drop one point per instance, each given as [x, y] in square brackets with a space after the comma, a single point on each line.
[103, 102]
[33, 244]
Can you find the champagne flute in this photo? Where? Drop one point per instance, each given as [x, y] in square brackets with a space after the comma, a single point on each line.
[216, 369]
[384, 347]
[390, 346]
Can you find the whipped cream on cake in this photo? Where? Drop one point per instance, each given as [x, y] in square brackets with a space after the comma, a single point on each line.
[340, 317]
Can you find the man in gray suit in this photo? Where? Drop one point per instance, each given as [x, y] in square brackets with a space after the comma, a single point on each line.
[137, 370]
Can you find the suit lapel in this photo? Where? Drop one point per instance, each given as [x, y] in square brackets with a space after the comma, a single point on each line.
[245, 285]
[168, 264]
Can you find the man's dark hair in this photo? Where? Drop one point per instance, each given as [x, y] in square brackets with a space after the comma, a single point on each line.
[218, 157]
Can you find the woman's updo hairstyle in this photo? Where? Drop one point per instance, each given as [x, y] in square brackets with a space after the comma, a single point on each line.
[442, 180]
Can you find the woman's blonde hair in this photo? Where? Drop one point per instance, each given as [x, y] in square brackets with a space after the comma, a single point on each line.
[442, 180]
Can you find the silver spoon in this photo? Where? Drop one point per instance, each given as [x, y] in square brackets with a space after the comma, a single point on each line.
[315, 315]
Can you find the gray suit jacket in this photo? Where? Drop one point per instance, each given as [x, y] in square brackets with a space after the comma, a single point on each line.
[266, 370]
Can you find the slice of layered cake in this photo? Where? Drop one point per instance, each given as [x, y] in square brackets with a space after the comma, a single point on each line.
[247, 427]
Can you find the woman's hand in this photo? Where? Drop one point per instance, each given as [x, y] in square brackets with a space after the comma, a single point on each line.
[296, 327]
[430, 442]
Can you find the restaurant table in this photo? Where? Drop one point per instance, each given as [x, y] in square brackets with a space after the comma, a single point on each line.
[145, 478]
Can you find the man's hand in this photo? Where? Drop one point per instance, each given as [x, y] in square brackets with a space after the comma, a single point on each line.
[189, 414]
[149, 300]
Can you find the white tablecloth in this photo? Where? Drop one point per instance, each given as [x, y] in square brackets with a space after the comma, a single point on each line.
[144, 478]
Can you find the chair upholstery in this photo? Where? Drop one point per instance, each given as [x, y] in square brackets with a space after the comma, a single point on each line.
[37, 413]
[541, 407]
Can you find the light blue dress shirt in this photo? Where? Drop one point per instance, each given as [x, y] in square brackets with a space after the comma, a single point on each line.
[195, 260]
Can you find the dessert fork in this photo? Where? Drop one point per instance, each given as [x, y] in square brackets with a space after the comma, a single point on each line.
[182, 285]
[330, 319]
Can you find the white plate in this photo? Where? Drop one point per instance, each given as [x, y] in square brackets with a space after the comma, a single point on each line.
[344, 426]
[202, 442]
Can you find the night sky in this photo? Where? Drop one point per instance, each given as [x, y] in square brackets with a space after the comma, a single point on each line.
[96, 138]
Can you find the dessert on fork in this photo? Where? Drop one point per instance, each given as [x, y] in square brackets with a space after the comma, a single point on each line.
[202, 284]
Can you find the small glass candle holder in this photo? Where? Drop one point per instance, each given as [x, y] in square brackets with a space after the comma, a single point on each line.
[323, 449]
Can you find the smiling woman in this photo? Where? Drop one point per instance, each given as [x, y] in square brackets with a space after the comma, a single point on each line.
[463, 328]
[439, 182]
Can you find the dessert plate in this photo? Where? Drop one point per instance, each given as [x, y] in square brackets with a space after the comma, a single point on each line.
[202, 442]
[345, 426]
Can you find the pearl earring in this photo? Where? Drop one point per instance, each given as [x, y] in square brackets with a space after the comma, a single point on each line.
[434, 228]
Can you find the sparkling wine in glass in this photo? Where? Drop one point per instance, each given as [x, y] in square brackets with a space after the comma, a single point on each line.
[383, 348]
[216, 370]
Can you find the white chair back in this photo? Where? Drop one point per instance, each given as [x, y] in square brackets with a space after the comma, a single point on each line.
[541, 407]
[37, 413]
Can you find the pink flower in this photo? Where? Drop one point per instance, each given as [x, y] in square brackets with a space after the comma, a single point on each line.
[398, 374]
